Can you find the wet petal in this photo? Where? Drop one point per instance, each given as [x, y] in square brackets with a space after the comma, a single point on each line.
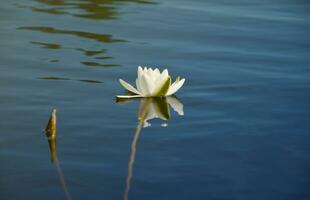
[128, 96]
[149, 72]
[175, 87]
[143, 85]
[147, 85]
[165, 73]
[139, 72]
[161, 78]
[163, 88]
[176, 81]
[156, 72]
[138, 85]
[128, 87]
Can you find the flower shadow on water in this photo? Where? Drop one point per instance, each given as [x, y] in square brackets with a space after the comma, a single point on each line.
[150, 108]
[51, 133]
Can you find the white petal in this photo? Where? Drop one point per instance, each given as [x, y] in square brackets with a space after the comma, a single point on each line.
[146, 85]
[161, 78]
[128, 96]
[176, 105]
[139, 72]
[150, 72]
[165, 72]
[175, 87]
[176, 80]
[138, 84]
[157, 72]
[128, 87]
[143, 86]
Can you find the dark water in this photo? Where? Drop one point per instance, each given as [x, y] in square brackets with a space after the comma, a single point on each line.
[245, 130]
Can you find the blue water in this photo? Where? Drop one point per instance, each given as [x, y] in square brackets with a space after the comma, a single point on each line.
[245, 129]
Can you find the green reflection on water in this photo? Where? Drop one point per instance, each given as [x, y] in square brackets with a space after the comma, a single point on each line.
[54, 78]
[89, 9]
[104, 38]
[150, 108]
[47, 45]
[86, 9]
[90, 81]
[104, 57]
[95, 64]
[87, 35]
[49, 10]
[92, 52]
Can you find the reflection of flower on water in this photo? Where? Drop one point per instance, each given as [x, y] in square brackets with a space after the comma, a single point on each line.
[150, 108]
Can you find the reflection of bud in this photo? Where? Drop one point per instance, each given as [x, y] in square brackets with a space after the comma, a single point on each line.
[151, 108]
[50, 132]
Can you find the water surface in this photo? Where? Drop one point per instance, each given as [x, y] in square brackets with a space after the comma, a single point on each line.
[245, 129]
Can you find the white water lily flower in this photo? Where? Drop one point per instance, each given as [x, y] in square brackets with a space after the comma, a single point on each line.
[152, 83]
